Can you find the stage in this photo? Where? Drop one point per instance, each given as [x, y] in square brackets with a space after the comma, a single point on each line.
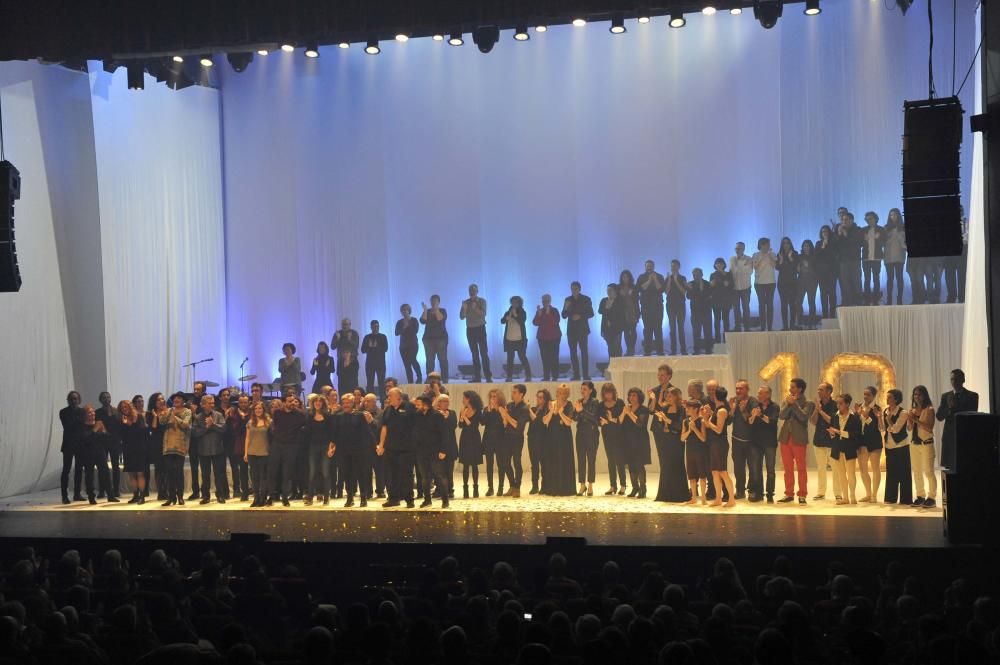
[601, 520]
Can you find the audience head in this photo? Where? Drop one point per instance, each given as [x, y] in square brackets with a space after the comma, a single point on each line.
[764, 393]
[518, 392]
[763, 244]
[871, 219]
[405, 310]
[471, 399]
[807, 247]
[664, 373]
[574, 287]
[824, 391]
[719, 264]
[696, 389]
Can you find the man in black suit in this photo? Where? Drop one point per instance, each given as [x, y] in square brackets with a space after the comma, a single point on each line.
[397, 445]
[650, 285]
[954, 401]
[71, 418]
[374, 346]
[676, 289]
[578, 309]
[612, 321]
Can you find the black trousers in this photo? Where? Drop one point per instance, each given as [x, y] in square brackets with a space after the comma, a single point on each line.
[578, 355]
[652, 329]
[258, 475]
[789, 301]
[898, 476]
[240, 472]
[701, 330]
[741, 458]
[873, 283]
[214, 464]
[518, 348]
[760, 459]
[631, 336]
[103, 478]
[433, 469]
[173, 476]
[69, 457]
[616, 462]
[893, 276]
[549, 350]
[828, 294]
[281, 469]
[850, 282]
[586, 455]
[806, 293]
[509, 461]
[535, 453]
[765, 305]
[355, 468]
[614, 343]
[480, 353]
[375, 374]
[741, 309]
[410, 366]
[401, 464]
[720, 322]
[676, 313]
[195, 462]
[436, 347]
[381, 471]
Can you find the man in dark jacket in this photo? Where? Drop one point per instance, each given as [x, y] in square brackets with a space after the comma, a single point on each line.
[952, 402]
[286, 447]
[375, 345]
[71, 418]
[578, 310]
[429, 437]
[397, 445]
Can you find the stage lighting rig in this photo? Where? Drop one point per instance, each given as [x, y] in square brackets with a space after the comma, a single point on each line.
[239, 61]
[485, 37]
[767, 12]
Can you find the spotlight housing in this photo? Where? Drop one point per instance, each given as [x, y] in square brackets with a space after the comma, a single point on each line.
[372, 48]
[287, 48]
[736, 11]
[438, 37]
[402, 37]
[240, 61]
[485, 37]
[344, 45]
[643, 17]
[521, 33]
[541, 28]
[812, 8]
[206, 61]
[262, 51]
[579, 22]
[708, 10]
[617, 25]
[677, 20]
[178, 58]
[767, 12]
[456, 38]
[312, 51]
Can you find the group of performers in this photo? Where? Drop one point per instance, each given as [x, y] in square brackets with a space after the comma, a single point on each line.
[333, 446]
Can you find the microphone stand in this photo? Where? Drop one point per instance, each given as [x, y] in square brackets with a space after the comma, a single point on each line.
[242, 374]
[194, 367]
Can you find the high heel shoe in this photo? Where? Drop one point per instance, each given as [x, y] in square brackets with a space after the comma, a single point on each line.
[611, 492]
[621, 491]
[590, 490]
[465, 492]
[642, 493]
[634, 493]
[582, 491]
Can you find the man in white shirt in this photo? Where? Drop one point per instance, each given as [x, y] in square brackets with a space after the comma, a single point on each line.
[741, 267]
[764, 261]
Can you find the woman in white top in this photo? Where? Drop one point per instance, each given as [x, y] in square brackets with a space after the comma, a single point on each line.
[764, 262]
[893, 422]
[894, 255]
[921, 417]
[515, 338]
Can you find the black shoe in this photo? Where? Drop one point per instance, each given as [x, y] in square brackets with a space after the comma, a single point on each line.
[379, 495]
[534, 490]
[180, 501]
[286, 503]
[326, 500]
[755, 499]
[244, 497]
[770, 499]
[444, 503]
[489, 491]
[142, 500]
[918, 502]
[787, 499]
[169, 502]
[92, 500]
[79, 497]
[621, 491]
[135, 498]
[350, 503]
[802, 501]
[308, 501]
[65, 500]
[929, 503]
[113, 499]
[205, 501]
[194, 496]
[101, 494]
[740, 496]
[634, 493]
[390, 504]
[642, 493]
[424, 504]
[610, 492]
[221, 500]
[364, 502]
[410, 503]
[269, 503]
[475, 492]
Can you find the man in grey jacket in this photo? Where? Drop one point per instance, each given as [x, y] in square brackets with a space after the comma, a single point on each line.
[793, 438]
[207, 428]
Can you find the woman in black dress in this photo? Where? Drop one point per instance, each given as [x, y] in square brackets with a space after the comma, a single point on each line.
[493, 436]
[442, 404]
[635, 424]
[558, 468]
[807, 284]
[870, 450]
[470, 443]
[611, 429]
[406, 330]
[630, 309]
[139, 406]
[696, 451]
[845, 430]
[154, 455]
[538, 437]
[721, 296]
[588, 435]
[826, 266]
[788, 282]
[133, 433]
[666, 428]
[716, 421]
[322, 368]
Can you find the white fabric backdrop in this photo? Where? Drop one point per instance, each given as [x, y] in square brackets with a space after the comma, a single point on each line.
[34, 344]
[641, 372]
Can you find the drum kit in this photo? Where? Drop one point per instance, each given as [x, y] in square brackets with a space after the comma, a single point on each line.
[272, 389]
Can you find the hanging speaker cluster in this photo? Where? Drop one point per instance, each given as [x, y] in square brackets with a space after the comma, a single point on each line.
[10, 191]
[932, 139]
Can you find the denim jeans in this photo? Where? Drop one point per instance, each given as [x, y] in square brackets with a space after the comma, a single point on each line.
[437, 347]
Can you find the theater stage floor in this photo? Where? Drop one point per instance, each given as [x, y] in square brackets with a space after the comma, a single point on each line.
[527, 520]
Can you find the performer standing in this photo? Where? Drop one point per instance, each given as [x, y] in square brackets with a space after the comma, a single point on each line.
[321, 450]
[872, 252]
[237, 418]
[71, 418]
[845, 435]
[793, 438]
[130, 428]
[870, 447]
[353, 447]
[763, 444]
[157, 405]
[493, 426]
[322, 367]
[373, 418]
[435, 335]
[822, 418]
[256, 448]
[515, 337]
[893, 423]
[207, 428]
[106, 415]
[538, 437]
[850, 241]
[894, 255]
[612, 321]
[699, 292]
[826, 272]
[635, 425]
[473, 312]
[470, 444]
[288, 423]
[176, 423]
[611, 429]
[630, 310]
[578, 310]
[806, 288]
[289, 369]
[676, 289]
[588, 421]
[94, 450]
[718, 448]
[764, 263]
[375, 345]
[955, 401]
[741, 406]
[346, 343]
[442, 404]
[650, 287]
[406, 330]
[696, 453]
[396, 441]
[429, 439]
[721, 281]
[666, 427]
[549, 335]
[515, 417]
[788, 283]
[921, 418]
[558, 467]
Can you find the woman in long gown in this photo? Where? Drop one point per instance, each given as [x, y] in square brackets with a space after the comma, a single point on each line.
[635, 424]
[673, 485]
[538, 437]
[559, 470]
[470, 443]
[611, 429]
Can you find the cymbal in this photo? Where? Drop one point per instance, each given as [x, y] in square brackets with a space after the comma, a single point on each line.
[209, 384]
[248, 377]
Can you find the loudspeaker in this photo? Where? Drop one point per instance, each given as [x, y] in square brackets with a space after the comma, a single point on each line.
[977, 444]
[10, 191]
[970, 512]
[932, 140]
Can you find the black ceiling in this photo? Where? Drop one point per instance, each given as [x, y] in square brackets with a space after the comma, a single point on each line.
[76, 30]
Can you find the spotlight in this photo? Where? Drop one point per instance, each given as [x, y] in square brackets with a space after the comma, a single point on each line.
[312, 51]
[438, 37]
[372, 47]
[708, 10]
[178, 58]
[579, 22]
[736, 11]
[486, 37]
[617, 25]
[521, 33]
[677, 21]
[262, 51]
[135, 75]
[643, 16]
[402, 37]
[239, 61]
[540, 28]
[206, 61]
[767, 12]
[287, 48]
[812, 8]
[456, 38]
[344, 45]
